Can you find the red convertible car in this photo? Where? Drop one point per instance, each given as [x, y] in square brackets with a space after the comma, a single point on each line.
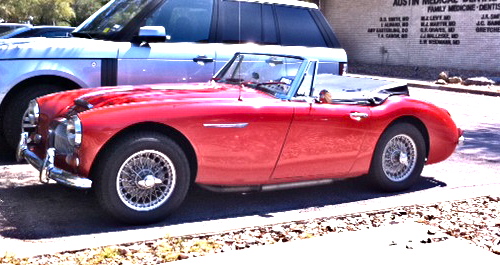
[264, 122]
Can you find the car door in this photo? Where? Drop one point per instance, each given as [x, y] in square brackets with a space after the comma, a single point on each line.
[165, 63]
[324, 140]
[238, 143]
[186, 56]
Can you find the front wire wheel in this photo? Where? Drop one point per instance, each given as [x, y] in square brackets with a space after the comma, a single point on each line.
[141, 178]
[399, 158]
[146, 180]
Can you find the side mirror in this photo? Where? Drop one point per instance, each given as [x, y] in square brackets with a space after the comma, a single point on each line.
[151, 34]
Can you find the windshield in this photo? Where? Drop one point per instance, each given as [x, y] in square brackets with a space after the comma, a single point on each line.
[111, 19]
[269, 73]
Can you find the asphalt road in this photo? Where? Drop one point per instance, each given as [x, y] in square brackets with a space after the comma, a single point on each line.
[32, 211]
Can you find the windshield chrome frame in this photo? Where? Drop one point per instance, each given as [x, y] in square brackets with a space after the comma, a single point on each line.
[303, 72]
[297, 81]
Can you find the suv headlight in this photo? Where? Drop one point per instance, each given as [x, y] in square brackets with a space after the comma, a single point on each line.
[74, 131]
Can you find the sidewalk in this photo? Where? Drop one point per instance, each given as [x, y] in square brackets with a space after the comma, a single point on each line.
[478, 90]
[403, 243]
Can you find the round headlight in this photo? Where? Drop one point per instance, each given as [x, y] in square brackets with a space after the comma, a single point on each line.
[30, 117]
[74, 131]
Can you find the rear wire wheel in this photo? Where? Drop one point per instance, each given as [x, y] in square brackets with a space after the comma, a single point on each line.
[142, 178]
[399, 158]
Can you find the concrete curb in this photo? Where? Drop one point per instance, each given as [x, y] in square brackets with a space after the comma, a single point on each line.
[458, 89]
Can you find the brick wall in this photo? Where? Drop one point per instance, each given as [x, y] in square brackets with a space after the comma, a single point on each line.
[462, 34]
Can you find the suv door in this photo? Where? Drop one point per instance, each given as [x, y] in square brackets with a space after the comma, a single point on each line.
[240, 23]
[270, 25]
[186, 56]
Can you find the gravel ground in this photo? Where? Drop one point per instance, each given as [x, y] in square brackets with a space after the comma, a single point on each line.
[477, 220]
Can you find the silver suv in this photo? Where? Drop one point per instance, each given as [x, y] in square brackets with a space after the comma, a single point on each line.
[5, 27]
[155, 41]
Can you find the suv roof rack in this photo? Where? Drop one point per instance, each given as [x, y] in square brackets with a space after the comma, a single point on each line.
[283, 2]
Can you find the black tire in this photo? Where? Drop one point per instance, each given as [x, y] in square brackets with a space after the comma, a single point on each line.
[150, 197]
[398, 159]
[16, 107]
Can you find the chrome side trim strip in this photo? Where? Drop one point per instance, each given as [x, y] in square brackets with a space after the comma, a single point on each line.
[294, 185]
[226, 125]
[269, 187]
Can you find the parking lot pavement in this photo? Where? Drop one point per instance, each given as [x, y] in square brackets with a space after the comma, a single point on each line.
[363, 245]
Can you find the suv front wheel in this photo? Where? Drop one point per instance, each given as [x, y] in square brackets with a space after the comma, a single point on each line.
[13, 118]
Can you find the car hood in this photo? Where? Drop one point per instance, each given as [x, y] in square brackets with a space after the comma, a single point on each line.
[168, 93]
[64, 48]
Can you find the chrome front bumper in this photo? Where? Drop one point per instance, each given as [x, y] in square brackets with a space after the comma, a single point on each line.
[46, 166]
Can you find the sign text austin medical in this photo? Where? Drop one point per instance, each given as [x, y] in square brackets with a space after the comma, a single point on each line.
[438, 24]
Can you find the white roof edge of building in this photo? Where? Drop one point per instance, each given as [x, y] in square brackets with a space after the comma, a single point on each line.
[284, 2]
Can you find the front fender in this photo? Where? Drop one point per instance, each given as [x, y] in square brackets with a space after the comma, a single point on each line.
[101, 125]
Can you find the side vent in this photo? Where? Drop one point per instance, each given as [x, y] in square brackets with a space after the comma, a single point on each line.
[109, 72]
[343, 68]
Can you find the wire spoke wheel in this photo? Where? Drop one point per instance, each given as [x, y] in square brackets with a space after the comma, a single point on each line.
[399, 157]
[146, 180]
[142, 177]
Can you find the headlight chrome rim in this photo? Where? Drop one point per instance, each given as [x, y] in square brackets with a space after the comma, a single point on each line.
[31, 117]
[74, 131]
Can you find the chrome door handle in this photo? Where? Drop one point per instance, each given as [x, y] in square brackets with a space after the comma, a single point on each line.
[358, 116]
[202, 59]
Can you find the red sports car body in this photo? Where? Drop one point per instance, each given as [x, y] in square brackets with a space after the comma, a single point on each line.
[262, 123]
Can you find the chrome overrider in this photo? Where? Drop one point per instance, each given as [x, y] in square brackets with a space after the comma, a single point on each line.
[46, 166]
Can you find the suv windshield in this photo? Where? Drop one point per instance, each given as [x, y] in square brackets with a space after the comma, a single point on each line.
[110, 19]
[270, 73]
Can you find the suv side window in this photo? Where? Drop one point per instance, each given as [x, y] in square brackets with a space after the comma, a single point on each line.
[247, 22]
[269, 25]
[184, 20]
[298, 28]
[54, 34]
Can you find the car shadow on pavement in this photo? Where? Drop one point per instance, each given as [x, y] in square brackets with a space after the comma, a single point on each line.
[7, 156]
[49, 211]
[482, 143]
